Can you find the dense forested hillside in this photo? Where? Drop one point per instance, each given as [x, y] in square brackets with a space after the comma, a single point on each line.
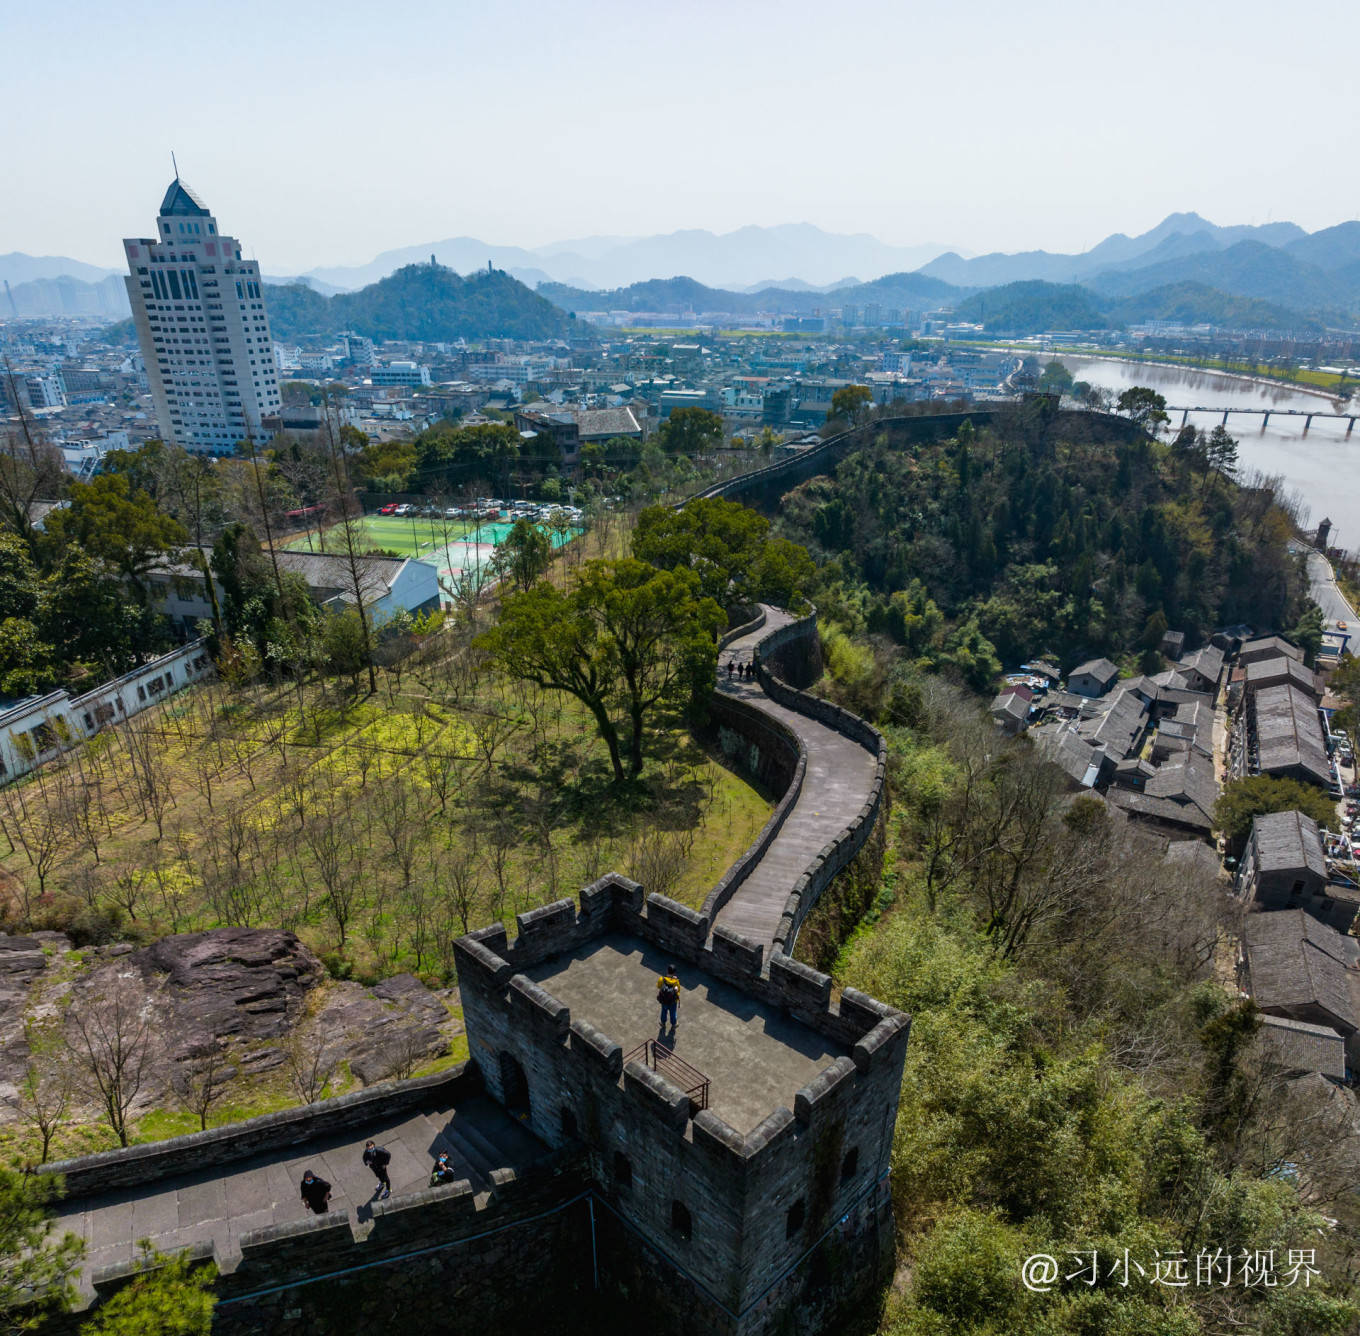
[1032, 536]
[1034, 305]
[420, 302]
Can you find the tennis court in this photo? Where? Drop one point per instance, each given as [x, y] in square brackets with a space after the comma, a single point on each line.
[454, 547]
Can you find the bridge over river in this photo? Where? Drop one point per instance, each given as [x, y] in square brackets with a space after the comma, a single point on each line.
[1265, 414]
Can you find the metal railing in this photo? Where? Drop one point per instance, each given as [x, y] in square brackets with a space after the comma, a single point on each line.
[662, 1060]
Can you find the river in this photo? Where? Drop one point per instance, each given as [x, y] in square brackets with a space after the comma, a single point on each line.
[1322, 468]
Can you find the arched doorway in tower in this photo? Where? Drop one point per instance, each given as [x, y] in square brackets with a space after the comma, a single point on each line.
[514, 1086]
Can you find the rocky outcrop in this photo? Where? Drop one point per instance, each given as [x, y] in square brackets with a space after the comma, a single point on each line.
[249, 987]
[245, 984]
[23, 963]
[387, 1030]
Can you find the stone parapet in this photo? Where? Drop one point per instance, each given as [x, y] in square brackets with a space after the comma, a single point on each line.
[133, 1166]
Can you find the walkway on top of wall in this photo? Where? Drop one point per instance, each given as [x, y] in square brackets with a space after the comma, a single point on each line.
[839, 780]
[220, 1203]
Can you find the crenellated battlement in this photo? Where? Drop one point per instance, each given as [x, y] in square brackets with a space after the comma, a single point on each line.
[553, 1013]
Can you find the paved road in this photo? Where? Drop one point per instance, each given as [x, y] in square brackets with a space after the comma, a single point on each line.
[1322, 585]
[839, 778]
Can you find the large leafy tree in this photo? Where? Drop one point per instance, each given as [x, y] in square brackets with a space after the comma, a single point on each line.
[113, 521]
[1245, 799]
[456, 455]
[627, 640]
[271, 609]
[851, 402]
[690, 431]
[728, 548]
[36, 1268]
[172, 1296]
[1146, 407]
[524, 555]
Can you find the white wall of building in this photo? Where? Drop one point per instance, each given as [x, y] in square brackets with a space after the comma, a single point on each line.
[37, 730]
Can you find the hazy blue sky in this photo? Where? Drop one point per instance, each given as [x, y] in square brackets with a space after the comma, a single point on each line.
[324, 133]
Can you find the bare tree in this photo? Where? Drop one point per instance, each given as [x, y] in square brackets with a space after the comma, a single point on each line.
[311, 1064]
[464, 882]
[401, 821]
[43, 1098]
[150, 777]
[405, 1051]
[349, 527]
[112, 1031]
[202, 1079]
[41, 832]
[337, 858]
[30, 468]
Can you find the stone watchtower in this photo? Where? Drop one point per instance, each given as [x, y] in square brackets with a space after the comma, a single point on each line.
[739, 1168]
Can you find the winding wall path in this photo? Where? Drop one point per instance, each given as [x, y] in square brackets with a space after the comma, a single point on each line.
[839, 780]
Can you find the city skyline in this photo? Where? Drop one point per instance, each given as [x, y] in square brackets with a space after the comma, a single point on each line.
[631, 123]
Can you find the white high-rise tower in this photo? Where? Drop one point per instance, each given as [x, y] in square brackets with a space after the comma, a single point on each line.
[200, 317]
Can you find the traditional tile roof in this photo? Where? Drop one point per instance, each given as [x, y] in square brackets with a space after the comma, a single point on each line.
[1267, 647]
[1117, 726]
[1011, 705]
[1288, 841]
[1100, 669]
[1154, 808]
[1207, 662]
[1186, 782]
[1297, 1046]
[1278, 668]
[1293, 961]
[1288, 735]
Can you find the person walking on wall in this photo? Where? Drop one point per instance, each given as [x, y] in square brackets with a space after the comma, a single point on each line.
[316, 1193]
[668, 994]
[378, 1158]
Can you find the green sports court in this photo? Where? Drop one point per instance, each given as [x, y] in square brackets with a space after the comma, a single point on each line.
[452, 546]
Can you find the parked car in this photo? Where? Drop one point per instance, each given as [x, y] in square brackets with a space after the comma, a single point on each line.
[404, 509]
[389, 509]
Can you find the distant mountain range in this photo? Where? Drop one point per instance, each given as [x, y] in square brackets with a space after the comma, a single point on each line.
[1184, 269]
[1178, 233]
[729, 259]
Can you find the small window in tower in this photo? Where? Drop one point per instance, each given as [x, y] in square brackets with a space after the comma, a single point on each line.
[623, 1170]
[681, 1224]
[569, 1129]
[793, 1222]
[850, 1165]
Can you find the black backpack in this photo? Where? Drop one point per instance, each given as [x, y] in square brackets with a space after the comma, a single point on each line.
[668, 993]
